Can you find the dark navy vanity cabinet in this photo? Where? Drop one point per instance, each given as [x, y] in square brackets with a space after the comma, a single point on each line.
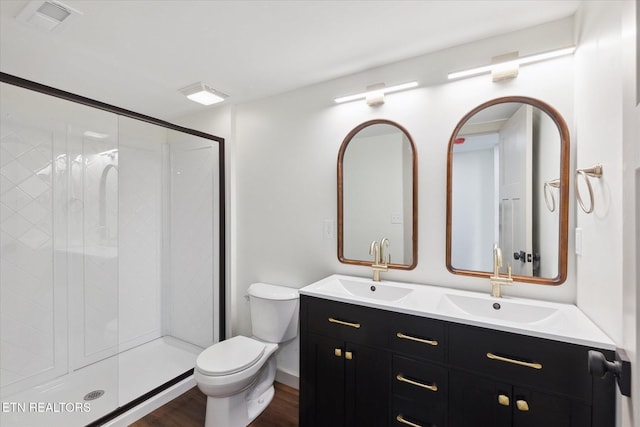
[362, 366]
[346, 369]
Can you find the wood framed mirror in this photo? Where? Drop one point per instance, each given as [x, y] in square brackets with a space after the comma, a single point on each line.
[378, 194]
[508, 185]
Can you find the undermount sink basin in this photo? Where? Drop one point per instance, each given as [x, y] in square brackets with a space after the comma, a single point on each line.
[503, 309]
[365, 289]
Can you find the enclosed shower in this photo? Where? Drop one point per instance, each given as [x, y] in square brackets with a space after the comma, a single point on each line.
[111, 256]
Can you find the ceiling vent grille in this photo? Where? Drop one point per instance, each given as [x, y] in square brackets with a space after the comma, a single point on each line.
[53, 11]
[46, 15]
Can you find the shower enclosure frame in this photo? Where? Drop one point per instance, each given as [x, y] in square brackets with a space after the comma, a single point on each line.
[48, 90]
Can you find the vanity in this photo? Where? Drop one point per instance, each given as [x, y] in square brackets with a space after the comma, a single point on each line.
[381, 353]
[397, 354]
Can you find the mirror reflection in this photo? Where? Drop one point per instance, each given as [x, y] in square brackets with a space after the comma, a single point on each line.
[377, 194]
[508, 186]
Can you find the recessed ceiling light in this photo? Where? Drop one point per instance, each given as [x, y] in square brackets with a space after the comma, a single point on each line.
[203, 94]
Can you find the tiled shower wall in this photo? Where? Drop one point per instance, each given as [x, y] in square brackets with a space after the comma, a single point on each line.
[140, 231]
[27, 299]
[194, 257]
[59, 241]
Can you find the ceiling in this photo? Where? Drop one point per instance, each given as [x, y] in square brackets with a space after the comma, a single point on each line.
[137, 54]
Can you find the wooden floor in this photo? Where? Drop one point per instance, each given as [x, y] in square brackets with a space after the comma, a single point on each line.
[188, 410]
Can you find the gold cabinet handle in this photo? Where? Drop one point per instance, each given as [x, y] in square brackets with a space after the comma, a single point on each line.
[342, 322]
[403, 379]
[337, 352]
[522, 405]
[503, 400]
[421, 340]
[401, 419]
[348, 355]
[514, 361]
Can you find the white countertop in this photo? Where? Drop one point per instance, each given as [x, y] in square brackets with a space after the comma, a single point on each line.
[543, 319]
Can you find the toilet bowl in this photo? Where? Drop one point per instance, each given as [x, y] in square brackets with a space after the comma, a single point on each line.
[237, 374]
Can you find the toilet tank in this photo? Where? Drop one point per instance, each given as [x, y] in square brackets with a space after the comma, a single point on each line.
[274, 312]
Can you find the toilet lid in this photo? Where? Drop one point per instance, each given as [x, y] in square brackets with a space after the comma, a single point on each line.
[230, 356]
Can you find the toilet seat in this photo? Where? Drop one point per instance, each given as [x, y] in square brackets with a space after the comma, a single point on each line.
[230, 356]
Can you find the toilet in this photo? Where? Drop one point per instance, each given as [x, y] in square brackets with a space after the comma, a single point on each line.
[237, 374]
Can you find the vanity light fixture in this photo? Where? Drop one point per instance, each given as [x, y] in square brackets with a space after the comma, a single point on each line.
[512, 63]
[203, 94]
[375, 92]
[505, 67]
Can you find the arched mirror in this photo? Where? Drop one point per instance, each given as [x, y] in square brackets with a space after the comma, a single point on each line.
[508, 185]
[377, 194]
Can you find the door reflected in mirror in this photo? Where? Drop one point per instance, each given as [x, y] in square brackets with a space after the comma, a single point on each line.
[507, 172]
[377, 194]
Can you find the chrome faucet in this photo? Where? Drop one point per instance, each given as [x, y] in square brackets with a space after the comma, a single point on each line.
[380, 262]
[496, 280]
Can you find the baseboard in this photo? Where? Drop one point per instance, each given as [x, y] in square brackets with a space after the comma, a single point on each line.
[287, 378]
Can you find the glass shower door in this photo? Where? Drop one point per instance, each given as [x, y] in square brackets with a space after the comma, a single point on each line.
[111, 257]
[58, 260]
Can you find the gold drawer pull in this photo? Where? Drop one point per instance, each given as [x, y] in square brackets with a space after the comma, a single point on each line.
[341, 322]
[403, 379]
[514, 361]
[421, 340]
[337, 352]
[401, 419]
[522, 405]
[348, 355]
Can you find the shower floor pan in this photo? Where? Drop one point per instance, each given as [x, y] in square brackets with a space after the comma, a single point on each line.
[87, 394]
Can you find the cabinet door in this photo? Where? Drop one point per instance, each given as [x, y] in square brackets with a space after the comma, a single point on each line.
[476, 401]
[326, 391]
[350, 385]
[534, 409]
[367, 371]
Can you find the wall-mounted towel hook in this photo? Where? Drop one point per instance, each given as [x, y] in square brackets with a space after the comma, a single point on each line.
[548, 194]
[594, 172]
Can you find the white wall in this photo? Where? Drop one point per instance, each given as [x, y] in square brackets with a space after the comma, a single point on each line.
[607, 128]
[283, 164]
[599, 140]
[283, 153]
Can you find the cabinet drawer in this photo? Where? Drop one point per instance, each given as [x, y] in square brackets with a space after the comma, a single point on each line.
[417, 380]
[407, 412]
[347, 322]
[551, 366]
[417, 336]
